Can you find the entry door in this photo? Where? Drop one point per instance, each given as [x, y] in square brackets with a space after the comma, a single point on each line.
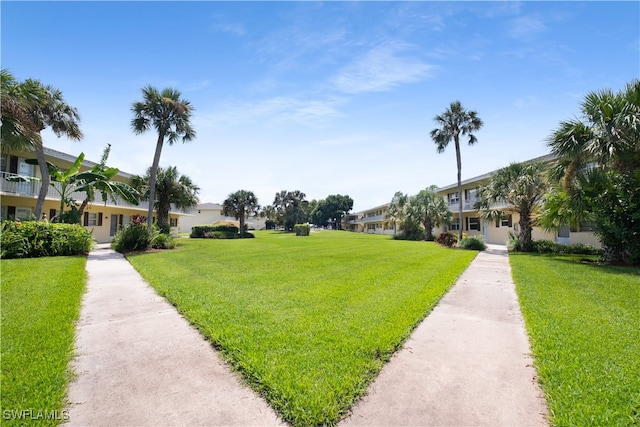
[114, 225]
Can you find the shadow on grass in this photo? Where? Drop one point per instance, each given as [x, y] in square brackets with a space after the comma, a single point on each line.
[588, 261]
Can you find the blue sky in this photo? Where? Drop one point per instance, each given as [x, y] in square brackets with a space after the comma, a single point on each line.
[326, 98]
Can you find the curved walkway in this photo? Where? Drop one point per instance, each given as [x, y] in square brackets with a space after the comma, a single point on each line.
[467, 364]
[139, 362]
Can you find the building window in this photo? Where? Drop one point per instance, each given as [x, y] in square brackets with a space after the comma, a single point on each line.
[506, 221]
[473, 224]
[455, 224]
[471, 195]
[173, 222]
[92, 219]
[453, 198]
[23, 213]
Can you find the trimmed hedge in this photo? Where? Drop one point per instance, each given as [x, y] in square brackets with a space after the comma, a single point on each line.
[302, 229]
[215, 232]
[30, 239]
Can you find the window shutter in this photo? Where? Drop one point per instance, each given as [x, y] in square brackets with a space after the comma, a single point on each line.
[479, 224]
[100, 219]
[86, 219]
[52, 213]
[497, 222]
[466, 222]
[11, 211]
[510, 220]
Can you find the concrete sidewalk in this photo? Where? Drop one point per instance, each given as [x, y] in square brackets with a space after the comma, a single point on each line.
[467, 363]
[140, 363]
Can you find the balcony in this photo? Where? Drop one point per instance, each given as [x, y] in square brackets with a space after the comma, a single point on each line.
[12, 184]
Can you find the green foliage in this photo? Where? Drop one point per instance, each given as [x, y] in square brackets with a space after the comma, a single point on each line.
[447, 239]
[549, 247]
[162, 241]
[29, 239]
[41, 300]
[308, 322]
[302, 229]
[582, 320]
[132, 237]
[475, 243]
[216, 232]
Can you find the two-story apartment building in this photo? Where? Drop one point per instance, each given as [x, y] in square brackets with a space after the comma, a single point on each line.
[18, 197]
[496, 232]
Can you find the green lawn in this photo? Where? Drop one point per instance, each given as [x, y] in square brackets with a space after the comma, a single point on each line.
[309, 321]
[41, 300]
[584, 324]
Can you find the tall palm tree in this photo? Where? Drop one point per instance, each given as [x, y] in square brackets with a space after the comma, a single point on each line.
[240, 205]
[170, 116]
[31, 108]
[171, 188]
[453, 123]
[522, 186]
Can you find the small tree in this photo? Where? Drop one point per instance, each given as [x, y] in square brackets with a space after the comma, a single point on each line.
[171, 189]
[429, 210]
[522, 186]
[241, 205]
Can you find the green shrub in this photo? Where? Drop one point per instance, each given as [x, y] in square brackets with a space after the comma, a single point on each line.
[162, 241]
[133, 237]
[302, 229]
[513, 243]
[447, 239]
[214, 231]
[28, 239]
[475, 243]
[549, 247]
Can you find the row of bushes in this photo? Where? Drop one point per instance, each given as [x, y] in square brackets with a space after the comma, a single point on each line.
[29, 239]
[218, 232]
[549, 247]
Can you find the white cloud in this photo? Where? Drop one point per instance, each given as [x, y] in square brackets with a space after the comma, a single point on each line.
[525, 27]
[281, 109]
[381, 69]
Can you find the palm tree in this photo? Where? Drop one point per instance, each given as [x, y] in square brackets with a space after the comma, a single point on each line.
[169, 115]
[31, 108]
[522, 186]
[430, 210]
[397, 212]
[599, 159]
[17, 129]
[171, 188]
[72, 180]
[240, 205]
[454, 122]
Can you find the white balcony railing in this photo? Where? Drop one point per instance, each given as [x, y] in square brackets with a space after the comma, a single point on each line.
[13, 184]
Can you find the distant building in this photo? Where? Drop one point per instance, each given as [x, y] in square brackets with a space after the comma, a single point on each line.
[208, 213]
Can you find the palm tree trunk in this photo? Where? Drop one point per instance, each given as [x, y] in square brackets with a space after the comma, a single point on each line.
[46, 179]
[152, 179]
[241, 218]
[456, 139]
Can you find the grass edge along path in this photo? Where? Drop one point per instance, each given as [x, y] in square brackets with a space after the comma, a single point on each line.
[41, 301]
[584, 324]
[308, 321]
